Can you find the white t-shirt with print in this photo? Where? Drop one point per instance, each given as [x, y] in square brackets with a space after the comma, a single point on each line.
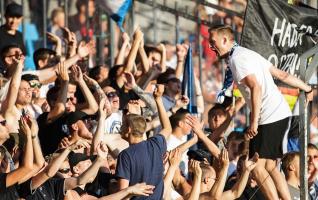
[244, 62]
[113, 123]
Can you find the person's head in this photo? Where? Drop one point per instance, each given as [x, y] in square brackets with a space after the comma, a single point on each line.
[290, 164]
[13, 15]
[99, 73]
[58, 17]
[216, 116]
[34, 84]
[154, 55]
[208, 177]
[221, 39]
[312, 151]
[71, 97]
[171, 82]
[4, 131]
[8, 53]
[79, 163]
[24, 94]
[113, 98]
[77, 126]
[15, 145]
[44, 58]
[179, 121]
[233, 142]
[115, 72]
[65, 169]
[81, 6]
[133, 128]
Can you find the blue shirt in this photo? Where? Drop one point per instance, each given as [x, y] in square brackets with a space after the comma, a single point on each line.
[143, 162]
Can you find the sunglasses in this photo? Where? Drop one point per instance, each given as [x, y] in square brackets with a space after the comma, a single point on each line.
[69, 99]
[34, 85]
[111, 94]
[65, 170]
[3, 122]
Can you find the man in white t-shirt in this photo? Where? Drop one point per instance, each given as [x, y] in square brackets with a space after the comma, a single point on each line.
[269, 111]
[180, 130]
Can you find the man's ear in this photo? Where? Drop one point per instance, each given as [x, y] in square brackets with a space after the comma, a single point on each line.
[74, 127]
[8, 60]
[40, 63]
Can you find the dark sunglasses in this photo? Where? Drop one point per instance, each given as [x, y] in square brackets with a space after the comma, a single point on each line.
[33, 85]
[3, 122]
[69, 99]
[65, 170]
[111, 94]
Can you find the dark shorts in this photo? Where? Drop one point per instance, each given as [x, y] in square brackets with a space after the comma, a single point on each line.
[271, 140]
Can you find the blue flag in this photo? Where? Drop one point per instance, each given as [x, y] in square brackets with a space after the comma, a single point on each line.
[188, 83]
[117, 9]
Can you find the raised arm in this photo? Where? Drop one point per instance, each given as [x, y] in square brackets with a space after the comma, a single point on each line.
[48, 74]
[196, 169]
[174, 160]
[121, 55]
[98, 137]
[256, 94]
[163, 51]
[92, 106]
[197, 129]
[57, 41]
[59, 106]
[181, 54]
[164, 120]
[71, 42]
[7, 107]
[140, 189]
[138, 36]
[240, 185]
[218, 187]
[18, 175]
[143, 56]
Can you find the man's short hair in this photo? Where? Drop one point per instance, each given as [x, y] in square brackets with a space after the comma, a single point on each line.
[6, 49]
[312, 146]
[287, 159]
[223, 30]
[217, 106]
[177, 117]
[52, 95]
[164, 77]
[55, 12]
[42, 54]
[136, 123]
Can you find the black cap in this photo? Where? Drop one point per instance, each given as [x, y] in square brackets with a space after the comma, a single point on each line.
[14, 10]
[73, 117]
[75, 158]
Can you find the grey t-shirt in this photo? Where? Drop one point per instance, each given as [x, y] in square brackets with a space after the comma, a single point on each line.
[294, 192]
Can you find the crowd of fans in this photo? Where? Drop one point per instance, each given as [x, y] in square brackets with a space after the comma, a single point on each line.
[68, 131]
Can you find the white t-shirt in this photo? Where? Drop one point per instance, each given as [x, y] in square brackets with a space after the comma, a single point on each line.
[244, 62]
[174, 142]
[113, 123]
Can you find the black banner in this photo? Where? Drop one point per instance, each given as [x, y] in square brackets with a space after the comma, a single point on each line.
[279, 31]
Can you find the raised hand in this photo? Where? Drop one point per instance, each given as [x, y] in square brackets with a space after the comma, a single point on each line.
[141, 189]
[104, 108]
[182, 51]
[161, 47]
[224, 158]
[138, 35]
[52, 37]
[182, 102]
[77, 73]
[175, 157]
[102, 150]
[130, 80]
[86, 49]
[62, 71]
[125, 37]
[134, 107]
[250, 164]
[24, 127]
[195, 167]
[195, 123]
[159, 91]
[89, 80]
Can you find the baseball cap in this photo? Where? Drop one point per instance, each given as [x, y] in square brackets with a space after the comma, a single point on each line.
[14, 10]
[73, 117]
[75, 158]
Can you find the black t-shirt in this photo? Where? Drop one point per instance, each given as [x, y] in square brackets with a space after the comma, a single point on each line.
[99, 187]
[7, 193]
[143, 162]
[124, 96]
[50, 134]
[52, 189]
